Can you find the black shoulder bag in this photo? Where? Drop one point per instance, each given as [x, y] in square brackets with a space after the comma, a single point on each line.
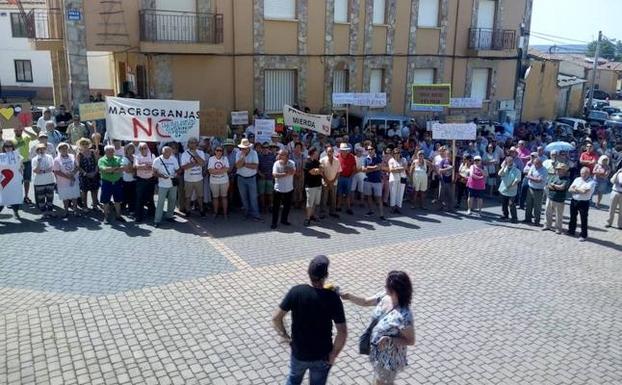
[365, 338]
[174, 179]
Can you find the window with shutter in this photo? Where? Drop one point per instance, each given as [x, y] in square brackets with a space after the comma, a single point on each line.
[424, 76]
[376, 81]
[380, 8]
[428, 13]
[279, 89]
[340, 83]
[279, 9]
[480, 83]
[341, 11]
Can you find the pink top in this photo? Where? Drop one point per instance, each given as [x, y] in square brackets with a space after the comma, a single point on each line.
[476, 183]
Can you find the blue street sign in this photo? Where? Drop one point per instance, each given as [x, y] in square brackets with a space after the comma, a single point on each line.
[74, 14]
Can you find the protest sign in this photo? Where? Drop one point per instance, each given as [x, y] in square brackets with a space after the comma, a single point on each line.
[264, 128]
[464, 103]
[431, 94]
[152, 120]
[92, 111]
[375, 99]
[239, 118]
[15, 115]
[11, 190]
[454, 131]
[302, 121]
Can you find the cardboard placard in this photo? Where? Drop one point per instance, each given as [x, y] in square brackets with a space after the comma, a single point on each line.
[92, 111]
[15, 115]
[214, 122]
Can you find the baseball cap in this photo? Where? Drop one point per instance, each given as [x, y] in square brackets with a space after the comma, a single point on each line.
[477, 157]
[318, 268]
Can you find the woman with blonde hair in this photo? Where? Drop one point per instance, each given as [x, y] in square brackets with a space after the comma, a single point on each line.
[601, 174]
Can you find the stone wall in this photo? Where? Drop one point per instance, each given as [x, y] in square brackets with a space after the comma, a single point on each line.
[75, 44]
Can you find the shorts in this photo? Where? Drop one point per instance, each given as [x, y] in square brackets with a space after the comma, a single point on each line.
[219, 190]
[314, 196]
[193, 187]
[358, 183]
[344, 185]
[111, 190]
[265, 186]
[420, 181]
[27, 171]
[374, 189]
[473, 193]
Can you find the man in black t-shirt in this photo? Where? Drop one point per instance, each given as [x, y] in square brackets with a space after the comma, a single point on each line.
[314, 309]
[313, 184]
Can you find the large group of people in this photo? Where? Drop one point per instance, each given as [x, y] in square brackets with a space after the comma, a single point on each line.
[326, 175]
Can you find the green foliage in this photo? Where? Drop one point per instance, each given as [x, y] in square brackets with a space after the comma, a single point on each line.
[609, 49]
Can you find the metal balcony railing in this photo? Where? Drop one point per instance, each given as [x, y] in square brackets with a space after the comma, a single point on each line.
[180, 27]
[492, 39]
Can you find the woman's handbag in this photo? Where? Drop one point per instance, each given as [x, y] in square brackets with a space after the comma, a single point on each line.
[365, 338]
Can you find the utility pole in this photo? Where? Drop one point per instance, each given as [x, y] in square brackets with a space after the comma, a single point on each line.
[594, 69]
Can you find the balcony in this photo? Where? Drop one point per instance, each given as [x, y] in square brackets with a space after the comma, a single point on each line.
[485, 39]
[180, 32]
[45, 29]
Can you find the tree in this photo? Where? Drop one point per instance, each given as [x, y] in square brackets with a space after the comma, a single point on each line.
[609, 49]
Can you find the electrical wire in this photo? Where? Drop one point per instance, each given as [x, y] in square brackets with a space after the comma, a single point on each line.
[558, 37]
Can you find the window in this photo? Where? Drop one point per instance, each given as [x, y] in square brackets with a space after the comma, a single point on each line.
[340, 83]
[341, 11]
[279, 9]
[480, 83]
[424, 76]
[23, 71]
[428, 13]
[279, 89]
[376, 81]
[18, 27]
[379, 11]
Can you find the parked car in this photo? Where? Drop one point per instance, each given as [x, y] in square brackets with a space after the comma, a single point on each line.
[616, 116]
[598, 95]
[597, 117]
[610, 110]
[385, 121]
[618, 94]
[578, 125]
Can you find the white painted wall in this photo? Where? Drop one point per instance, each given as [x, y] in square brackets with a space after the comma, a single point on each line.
[101, 70]
[20, 49]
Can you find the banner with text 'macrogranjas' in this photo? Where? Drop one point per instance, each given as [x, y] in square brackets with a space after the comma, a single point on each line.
[152, 120]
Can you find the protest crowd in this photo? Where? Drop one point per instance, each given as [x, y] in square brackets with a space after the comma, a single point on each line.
[375, 167]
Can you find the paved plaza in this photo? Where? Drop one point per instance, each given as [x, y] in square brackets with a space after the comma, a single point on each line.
[191, 303]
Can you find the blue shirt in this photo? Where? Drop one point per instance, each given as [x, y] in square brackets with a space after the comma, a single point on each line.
[374, 176]
[542, 173]
[265, 165]
[508, 177]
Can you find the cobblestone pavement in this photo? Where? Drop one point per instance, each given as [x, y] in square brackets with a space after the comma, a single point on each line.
[494, 303]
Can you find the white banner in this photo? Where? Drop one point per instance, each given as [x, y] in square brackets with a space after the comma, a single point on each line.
[264, 128]
[152, 120]
[378, 99]
[454, 131]
[11, 190]
[239, 118]
[466, 103]
[296, 118]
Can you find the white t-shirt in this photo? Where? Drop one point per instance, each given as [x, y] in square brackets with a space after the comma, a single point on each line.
[140, 160]
[120, 152]
[251, 157]
[393, 163]
[127, 176]
[195, 173]
[286, 183]
[41, 123]
[581, 184]
[45, 162]
[218, 164]
[172, 165]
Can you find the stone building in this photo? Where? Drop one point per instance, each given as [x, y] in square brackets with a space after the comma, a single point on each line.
[247, 54]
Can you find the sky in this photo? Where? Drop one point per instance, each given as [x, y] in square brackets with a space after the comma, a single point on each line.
[570, 20]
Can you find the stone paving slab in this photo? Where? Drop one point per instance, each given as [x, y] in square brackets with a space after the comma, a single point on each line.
[492, 305]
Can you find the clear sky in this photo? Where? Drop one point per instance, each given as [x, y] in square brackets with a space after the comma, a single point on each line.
[575, 19]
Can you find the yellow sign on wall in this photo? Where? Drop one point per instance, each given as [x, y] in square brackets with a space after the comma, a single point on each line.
[431, 95]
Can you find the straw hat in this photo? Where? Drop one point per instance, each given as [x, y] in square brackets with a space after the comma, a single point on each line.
[245, 143]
